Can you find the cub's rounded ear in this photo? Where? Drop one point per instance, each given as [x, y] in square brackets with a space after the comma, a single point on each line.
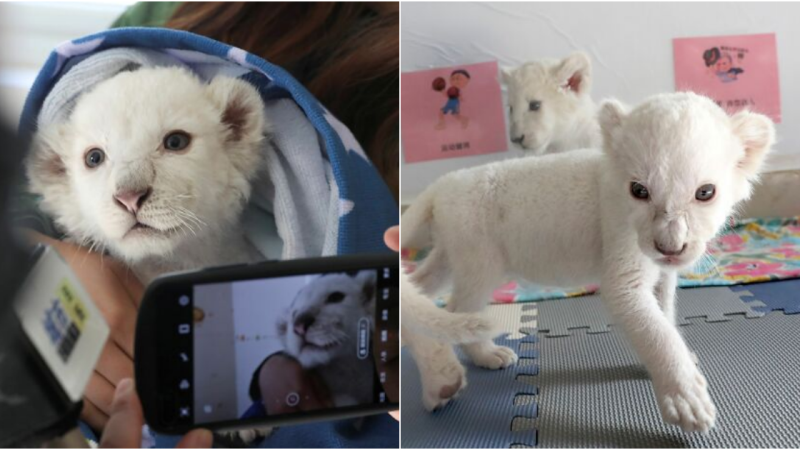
[44, 164]
[241, 108]
[368, 280]
[757, 134]
[574, 73]
[505, 75]
[611, 115]
[281, 326]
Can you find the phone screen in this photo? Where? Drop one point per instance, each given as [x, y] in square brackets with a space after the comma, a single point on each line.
[281, 347]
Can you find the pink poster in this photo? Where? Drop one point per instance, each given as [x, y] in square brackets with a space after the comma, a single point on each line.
[738, 72]
[451, 112]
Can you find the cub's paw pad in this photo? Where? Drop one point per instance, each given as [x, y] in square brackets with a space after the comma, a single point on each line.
[443, 386]
[493, 357]
[688, 405]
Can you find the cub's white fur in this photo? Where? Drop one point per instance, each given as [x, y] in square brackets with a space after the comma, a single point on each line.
[428, 331]
[566, 115]
[190, 201]
[421, 315]
[320, 330]
[570, 219]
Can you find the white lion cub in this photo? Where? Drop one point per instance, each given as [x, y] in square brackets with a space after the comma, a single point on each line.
[550, 108]
[628, 216]
[320, 330]
[154, 166]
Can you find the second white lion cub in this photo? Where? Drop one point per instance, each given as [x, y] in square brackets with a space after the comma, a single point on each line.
[629, 216]
[550, 105]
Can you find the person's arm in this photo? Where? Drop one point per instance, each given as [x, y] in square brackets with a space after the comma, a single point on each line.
[281, 376]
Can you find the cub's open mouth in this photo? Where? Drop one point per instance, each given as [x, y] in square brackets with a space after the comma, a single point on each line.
[141, 229]
[326, 346]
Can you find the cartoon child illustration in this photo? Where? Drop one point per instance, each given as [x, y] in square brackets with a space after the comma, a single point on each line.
[720, 65]
[459, 79]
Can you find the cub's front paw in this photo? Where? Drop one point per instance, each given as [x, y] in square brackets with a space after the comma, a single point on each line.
[490, 356]
[443, 385]
[685, 402]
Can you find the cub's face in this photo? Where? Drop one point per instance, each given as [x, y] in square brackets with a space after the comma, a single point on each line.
[322, 322]
[681, 165]
[543, 96]
[149, 159]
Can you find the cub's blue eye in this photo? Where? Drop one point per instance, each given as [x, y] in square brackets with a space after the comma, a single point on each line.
[705, 192]
[335, 297]
[639, 191]
[534, 105]
[94, 158]
[176, 141]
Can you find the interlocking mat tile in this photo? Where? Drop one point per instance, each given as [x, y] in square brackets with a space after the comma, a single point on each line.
[593, 392]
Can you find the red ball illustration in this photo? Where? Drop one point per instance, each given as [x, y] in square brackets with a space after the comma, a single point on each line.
[453, 92]
[439, 84]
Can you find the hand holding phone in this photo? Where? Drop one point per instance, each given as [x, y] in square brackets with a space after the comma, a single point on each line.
[269, 344]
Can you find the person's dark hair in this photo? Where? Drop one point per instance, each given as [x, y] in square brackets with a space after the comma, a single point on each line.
[255, 390]
[462, 72]
[346, 54]
[711, 56]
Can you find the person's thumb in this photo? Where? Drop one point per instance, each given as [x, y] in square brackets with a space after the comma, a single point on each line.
[124, 427]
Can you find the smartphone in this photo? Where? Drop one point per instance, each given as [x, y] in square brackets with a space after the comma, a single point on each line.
[271, 343]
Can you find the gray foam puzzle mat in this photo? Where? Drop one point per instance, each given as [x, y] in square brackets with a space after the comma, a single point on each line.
[714, 304]
[593, 393]
[589, 391]
[510, 393]
[482, 417]
[781, 295]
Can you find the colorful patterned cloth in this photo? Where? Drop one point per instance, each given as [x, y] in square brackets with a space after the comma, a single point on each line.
[751, 251]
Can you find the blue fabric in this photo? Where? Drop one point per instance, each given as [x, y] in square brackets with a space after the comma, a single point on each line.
[367, 206]
[255, 410]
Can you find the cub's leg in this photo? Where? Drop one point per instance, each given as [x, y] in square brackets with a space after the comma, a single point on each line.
[665, 294]
[475, 275]
[440, 371]
[681, 390]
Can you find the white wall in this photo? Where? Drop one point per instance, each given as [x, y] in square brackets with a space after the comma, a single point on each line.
[630, 45]
[28, 33]
[257, 304]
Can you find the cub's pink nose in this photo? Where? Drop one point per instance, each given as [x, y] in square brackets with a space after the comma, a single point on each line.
[670, 251]
[302, 323]
[132, 200]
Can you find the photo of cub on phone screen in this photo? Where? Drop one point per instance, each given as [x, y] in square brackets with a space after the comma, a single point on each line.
[276, 346]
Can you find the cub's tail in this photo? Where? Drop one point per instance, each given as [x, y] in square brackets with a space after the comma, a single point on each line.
[415, 223]
[422, 316]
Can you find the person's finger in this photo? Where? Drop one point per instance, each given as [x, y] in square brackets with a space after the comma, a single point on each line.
[93, 416]
[100, 392]
[392, 238]
[114, 364]
[395, 414]
[124, 428]
[196, 439]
